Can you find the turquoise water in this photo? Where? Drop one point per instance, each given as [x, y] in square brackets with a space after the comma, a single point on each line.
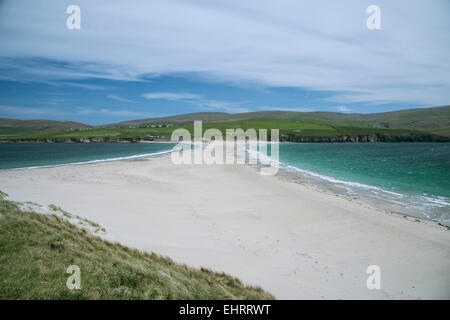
[21, 155]
[411, 178]
[415, 176]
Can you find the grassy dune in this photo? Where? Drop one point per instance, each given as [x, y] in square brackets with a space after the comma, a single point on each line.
[36, 249]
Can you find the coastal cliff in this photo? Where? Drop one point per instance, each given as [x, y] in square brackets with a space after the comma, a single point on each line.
[366, 138]
[376, 137]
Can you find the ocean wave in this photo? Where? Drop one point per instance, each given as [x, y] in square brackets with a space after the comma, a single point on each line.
[429, 207]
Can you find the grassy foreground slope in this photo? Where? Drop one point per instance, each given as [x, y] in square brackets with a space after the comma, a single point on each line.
[36, 249]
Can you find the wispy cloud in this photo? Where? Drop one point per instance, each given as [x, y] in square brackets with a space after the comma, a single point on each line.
[225, 106]
[316, 45]
[58, 83]
[198, 101]
[115, 113]
[298, 109]
[119, 98]
[342, 109]
[52, 101]
[81, 85]
[172, 96]
[28, 112]
[49, 113]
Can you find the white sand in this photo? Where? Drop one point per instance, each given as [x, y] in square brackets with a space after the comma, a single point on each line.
[291, 240]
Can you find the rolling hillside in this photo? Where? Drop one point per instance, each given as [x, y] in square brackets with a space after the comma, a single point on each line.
[13, 127]
[428, 119]
[426, 124]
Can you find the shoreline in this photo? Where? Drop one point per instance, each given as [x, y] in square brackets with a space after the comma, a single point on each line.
[290, 177]
[442, 139]
[293, 241]
[329, 187]
[314, 180]
[128, 158]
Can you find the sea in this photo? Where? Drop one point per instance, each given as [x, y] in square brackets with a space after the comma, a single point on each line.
[31, 155]
[403, 177]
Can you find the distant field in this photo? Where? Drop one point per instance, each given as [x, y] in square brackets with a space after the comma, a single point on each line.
[114, 133]
[14, 127]
[424, 124]
[13, 131]
[422, 119]
[287, 128]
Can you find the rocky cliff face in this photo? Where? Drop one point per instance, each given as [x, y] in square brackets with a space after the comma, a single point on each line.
[283, 138]
[82, 140]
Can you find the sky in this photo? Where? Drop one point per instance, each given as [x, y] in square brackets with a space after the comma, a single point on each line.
[143, 59]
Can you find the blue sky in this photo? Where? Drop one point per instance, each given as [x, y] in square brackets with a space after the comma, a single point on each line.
[157, 58]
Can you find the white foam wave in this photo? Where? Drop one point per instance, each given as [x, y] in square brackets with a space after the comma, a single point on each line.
[415, 202]
[96, 161]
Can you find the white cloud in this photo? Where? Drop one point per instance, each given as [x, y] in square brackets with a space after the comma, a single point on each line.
[46, 113]
[225, 106]
[298, 109]
[119, 98]
[342, 109]
[53, 101]
[198, 101]
[81, 85]
[27, 112]
[171, 96]
[317, 45]
[115, 113]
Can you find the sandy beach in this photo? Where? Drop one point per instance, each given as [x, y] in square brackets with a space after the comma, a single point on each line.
[295, 242]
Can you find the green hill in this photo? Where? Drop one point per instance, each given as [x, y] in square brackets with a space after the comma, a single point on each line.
[425, 124]
[36, 249]
[176, 119]
[428, 119]
[13, 127]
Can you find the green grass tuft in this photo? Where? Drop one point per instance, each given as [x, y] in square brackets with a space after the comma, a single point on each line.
[36, 249]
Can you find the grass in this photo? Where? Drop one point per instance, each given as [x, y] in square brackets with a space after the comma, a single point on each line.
[104, 133]
[14, 127]
[11, 131]
[425, 120]
[36, 250]
[56, 209]
[286, 127]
